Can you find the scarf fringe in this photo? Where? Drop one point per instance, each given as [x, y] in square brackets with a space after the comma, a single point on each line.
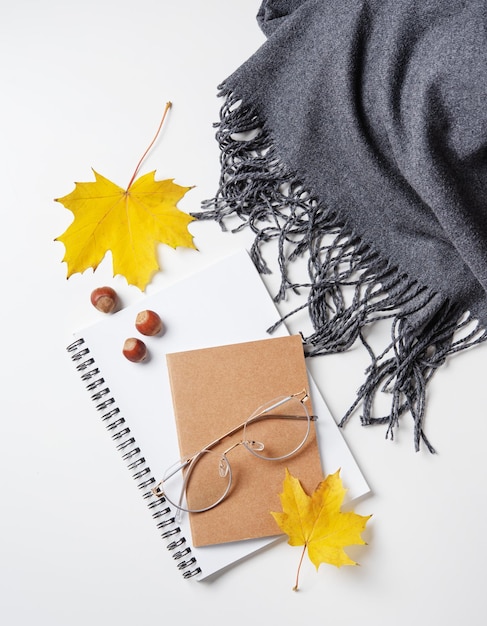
[256, 188]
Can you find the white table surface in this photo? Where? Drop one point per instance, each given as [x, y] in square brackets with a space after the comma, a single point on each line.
[84, 85]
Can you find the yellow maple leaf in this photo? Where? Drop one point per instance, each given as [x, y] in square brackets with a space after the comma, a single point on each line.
[128, 222]
[317, 522]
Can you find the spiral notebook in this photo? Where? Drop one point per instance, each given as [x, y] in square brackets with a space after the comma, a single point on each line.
[224, 303]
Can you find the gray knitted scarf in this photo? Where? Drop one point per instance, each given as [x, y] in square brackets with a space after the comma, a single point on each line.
[356, 137]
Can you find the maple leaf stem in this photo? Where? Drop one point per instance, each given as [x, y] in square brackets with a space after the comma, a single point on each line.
[296, 586]
[166, 109]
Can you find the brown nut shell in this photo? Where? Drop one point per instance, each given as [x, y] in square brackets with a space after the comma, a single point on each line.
[148, 323]
[104, 299]
[134, 350]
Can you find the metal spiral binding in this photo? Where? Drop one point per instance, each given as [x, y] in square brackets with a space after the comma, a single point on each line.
[132, 456]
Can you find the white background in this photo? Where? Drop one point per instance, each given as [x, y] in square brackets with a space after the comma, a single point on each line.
[83, 85]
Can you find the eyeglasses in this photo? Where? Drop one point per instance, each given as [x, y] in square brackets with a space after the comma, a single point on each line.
[275, 431]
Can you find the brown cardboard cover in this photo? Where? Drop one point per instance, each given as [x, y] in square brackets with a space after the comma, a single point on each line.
[215, 389]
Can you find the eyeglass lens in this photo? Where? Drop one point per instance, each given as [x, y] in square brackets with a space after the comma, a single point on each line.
[199, 486]
[281, 428]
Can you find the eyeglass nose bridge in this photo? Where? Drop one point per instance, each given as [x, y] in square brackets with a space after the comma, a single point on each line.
[249, 444]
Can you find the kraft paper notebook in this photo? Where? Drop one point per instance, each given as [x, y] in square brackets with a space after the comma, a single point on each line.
[216, 389]
[224, 303]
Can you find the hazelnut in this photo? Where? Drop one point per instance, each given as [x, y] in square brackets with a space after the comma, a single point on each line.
[104, 299]
[134, 350]
[148, 323]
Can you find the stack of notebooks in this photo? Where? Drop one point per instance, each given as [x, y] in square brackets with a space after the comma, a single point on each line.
[213, 365]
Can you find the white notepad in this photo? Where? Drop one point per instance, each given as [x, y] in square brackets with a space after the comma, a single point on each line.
[224, 303]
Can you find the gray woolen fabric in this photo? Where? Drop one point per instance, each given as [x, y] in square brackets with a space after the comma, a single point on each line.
[379, 109]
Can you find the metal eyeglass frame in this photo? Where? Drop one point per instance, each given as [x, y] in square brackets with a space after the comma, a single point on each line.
[190, 462]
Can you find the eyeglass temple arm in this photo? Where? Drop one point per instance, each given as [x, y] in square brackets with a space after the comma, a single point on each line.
[235, 429]
[255, 418]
